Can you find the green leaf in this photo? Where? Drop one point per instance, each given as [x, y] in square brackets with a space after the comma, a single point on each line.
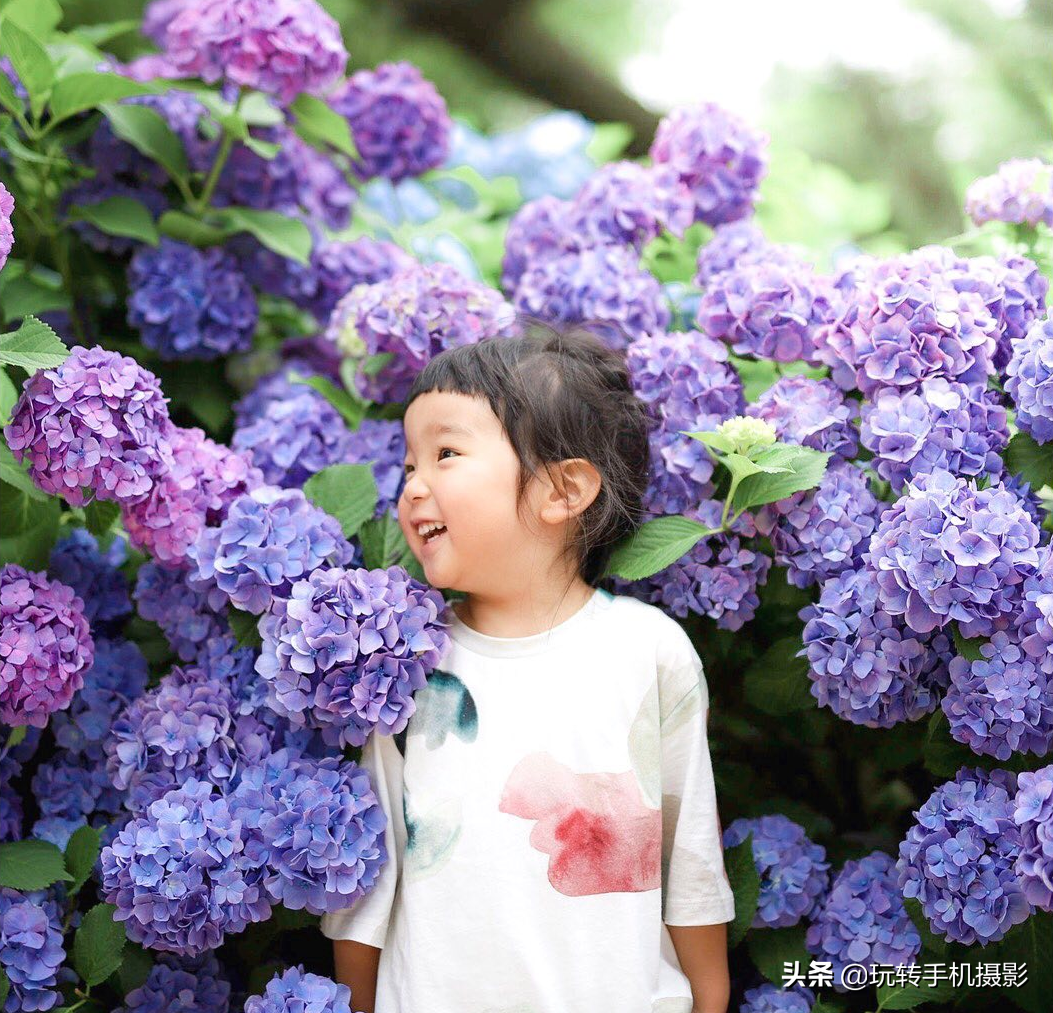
[89, 90]
[777, 683]
[348, 492]
[5, 987]
[745, 884]
[713, 440]
[99, 35]
[38, 17]
[8, 97]
[742, 467]
[147, 131]
[27, 528]
[286, 236]
[82, 851]
[98, 945]
[943, 755]
[8, 398]
[654, 545]
[384, 545]
[968, 647]
[352, 410]
[15, 474]
[99, 516]
[245, 627]
[22, 294]
[319, 125]
[804, 468]
[31, 865]
[930, 942]
[1032, 460]
[912, 996]
[30, 61]
[181, 226]
[119, 216]
[204, 393]
[1031, 942]
[33, 346]
[608, 141]
[135, 968]
[265, 149]
[769, 949]
[18, 733]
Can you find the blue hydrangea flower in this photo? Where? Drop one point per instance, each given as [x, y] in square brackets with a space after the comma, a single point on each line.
[31, 951]
[793, 870]
[1030, 381]
[10, 802]
[187, 618]
[958, 858]
[348, 648]
[769, 998]
[1033, 813]
[297, 991]
[188, 303]
[179, 873]
[812, 413]
[269, 539]
[178, 984]
[540, 230]
[77, 561]
[71, 790]
[382, 444]
[863, 919]
[936, 425]
[735, 245]
[949, 551]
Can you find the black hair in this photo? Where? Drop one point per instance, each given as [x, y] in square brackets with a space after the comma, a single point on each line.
[560, 393]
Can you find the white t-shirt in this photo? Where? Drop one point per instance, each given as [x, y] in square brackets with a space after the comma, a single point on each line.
[550, 804]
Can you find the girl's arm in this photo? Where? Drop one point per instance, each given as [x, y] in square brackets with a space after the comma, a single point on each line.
[356, 966]
[703, 954]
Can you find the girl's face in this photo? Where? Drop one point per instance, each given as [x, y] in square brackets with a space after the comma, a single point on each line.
[461, 471]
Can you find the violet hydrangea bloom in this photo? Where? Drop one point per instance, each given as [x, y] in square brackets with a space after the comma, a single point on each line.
[94, 427]
[31, 952]
[718, 156]
[189, 303]
[156, 16]
[94, 575]
[936, 425]
[959, 857]
[10, 802]
[769, 998]
[1021, 193]
[735, 245]
[297, 991]
[7, 235]
[950, 551]
[411, 317]
[863, 919]
[1033, 813]
[45, 646]
[541, 229]
[603, 287]
[270, 539]
[812, 413]
[163, 595]
[179, 873]
[346, 650]
[1030, 381]
[794, 873]
[398, 121]
[178, 984]
[281, 47]
[867, 666]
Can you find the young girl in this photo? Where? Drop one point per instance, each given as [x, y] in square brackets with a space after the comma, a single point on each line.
[553, 838]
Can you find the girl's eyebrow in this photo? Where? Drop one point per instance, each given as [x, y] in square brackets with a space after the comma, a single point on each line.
[450, 427]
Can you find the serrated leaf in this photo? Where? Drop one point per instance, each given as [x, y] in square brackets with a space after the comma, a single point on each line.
[1031, 943]
[98, 945]
[770, 949]
[286, 236]
[350, 409]
[713, 440]
[654, 546]
[384, 545]
[321, 126]
[245, 627]
[82, 851]
[27, 528]
[15, 474]
[119, 216]
[88, 90]
[912, 996]
[801, 468]
[1034, 461]
[99, 516]
[147, 131]
[967, 647]
[31, 865]
[777, 683]
[347, 492]
[136, 964]
[29, 60]
[33, 346]
[745, 884]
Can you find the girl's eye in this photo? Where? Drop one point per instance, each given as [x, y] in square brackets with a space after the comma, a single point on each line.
[443, 451]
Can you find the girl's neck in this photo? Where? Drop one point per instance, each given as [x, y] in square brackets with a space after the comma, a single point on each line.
[533, 611]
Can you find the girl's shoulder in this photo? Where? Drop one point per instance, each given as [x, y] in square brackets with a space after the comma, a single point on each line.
[648, 626]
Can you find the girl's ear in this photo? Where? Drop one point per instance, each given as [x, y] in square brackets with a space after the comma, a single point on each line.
[572, 486]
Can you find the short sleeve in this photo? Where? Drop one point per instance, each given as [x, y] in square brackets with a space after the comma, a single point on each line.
[695, 886]
[366, 920]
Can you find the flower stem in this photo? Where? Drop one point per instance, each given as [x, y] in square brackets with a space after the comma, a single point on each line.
[226, 145]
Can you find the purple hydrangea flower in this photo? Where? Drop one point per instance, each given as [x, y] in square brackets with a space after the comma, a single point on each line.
[769, 998]
[178, 984]
[717, 155]
[346, 650]
[793, 871]
[540, 230]
[411, 317]
[322, 830]
[180, 874]
[812, 413]
[867, 666]
[204, 479]
[734, 246]
[7, 234]
[98, 423]
[1032, 811]
[949, 551]
[189, 303]
[821, 532]
[10, 801]
[270, 539]
[936, 425]
[72, 789]
[863, 919]
[769, 308]
[602, 287]
[163, 595]
[1030, 381]
[93, 574]
[1014, 291]
[1021, 192]
[297, 991]
[292, 439]
[276, 385]
[958, 858]
[281, 47]
[382, 444]
[188, 726]
[31, 951]
[156, 17]
[45, 646]
[398, 121]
